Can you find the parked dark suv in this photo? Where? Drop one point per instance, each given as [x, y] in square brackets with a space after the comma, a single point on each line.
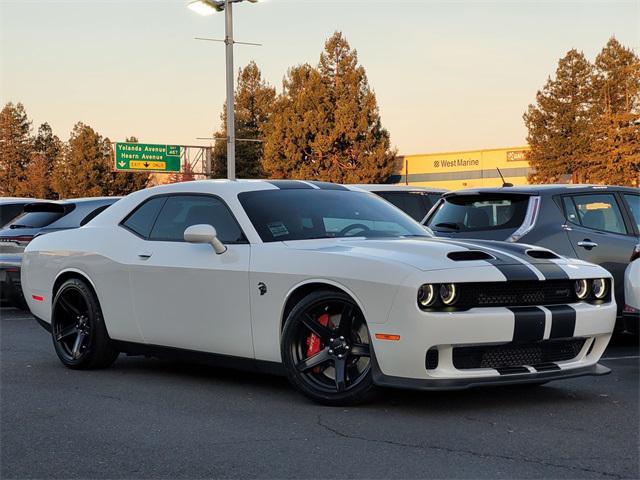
[599, 224]
[414, 201]
[38, 219]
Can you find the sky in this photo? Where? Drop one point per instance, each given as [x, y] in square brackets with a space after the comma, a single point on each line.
[448, 75]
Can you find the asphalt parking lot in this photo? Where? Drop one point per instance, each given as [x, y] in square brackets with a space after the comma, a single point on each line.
[145, 418]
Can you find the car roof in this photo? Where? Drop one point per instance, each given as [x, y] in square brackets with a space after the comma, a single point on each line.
[4, 200]
[233, 187]
[547, 189]
[380, 187]
[82, 200]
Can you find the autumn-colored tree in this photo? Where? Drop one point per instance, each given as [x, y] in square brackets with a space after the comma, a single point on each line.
[615, 129]
[15, 149]
[559, 122]
[124, 183]
[326, 124]
[253, 105]
[47, 148]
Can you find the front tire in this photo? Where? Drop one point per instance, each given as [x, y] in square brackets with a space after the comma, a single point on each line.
[326, 349]
[78, 331]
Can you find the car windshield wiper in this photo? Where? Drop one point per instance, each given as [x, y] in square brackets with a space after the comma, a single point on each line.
[449, 225]
[17, 225]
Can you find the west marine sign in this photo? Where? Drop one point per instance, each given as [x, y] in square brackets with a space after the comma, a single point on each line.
[458, 162]
[463, 169]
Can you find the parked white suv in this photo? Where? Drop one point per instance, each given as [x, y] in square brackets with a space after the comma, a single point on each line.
[631, 312]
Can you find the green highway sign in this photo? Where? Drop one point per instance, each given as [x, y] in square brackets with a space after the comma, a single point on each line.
[147, 157]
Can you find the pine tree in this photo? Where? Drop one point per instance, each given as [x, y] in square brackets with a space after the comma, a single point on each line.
[15, 149]
[559, 122]
[615, 149]
[326, 124]
[84, 169]
[47, 148]
[253, 104]
[124, 183]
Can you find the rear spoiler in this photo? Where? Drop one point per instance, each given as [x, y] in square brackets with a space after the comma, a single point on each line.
[498, 191]
[48, 207]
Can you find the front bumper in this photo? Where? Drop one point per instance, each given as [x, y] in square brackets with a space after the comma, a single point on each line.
[383, 380]
[515, 344]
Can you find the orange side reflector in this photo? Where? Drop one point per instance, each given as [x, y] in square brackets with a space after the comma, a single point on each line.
[37, 298]
[387, 336]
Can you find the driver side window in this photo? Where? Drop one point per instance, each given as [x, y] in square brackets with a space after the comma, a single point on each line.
[182, 211]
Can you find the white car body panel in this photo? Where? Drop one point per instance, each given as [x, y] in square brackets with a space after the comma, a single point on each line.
[632, 285]
[185, 296]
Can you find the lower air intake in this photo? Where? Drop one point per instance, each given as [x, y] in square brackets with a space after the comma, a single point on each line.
[516, 354]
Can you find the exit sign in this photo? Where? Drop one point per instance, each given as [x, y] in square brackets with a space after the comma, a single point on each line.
[147, 157]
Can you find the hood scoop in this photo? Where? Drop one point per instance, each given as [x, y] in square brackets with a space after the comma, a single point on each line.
[542, 254]
[469, 256]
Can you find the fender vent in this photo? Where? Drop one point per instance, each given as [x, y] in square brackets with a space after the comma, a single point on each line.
[469, 255]
[545, 254]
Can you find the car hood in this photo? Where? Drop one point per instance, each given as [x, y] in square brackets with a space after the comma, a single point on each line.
[434, 253]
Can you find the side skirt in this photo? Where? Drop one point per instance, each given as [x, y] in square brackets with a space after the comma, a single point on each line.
[204, 358]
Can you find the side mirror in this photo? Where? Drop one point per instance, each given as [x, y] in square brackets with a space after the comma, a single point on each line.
[204, 234]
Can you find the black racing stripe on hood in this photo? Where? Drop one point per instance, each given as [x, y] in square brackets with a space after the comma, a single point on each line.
[550, 270]
[290, 184]
[512, 271]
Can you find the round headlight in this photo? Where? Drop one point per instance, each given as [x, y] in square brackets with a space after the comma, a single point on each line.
[599, 288]
[426, 295]
[582, 289]
[448, 293]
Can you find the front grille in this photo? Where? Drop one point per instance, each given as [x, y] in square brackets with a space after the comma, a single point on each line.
[500, 294]
[516, 354]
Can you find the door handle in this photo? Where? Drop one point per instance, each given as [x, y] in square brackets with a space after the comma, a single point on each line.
[588, 244]
[144, 255]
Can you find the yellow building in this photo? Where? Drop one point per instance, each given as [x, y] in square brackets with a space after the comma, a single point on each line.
[453, 170]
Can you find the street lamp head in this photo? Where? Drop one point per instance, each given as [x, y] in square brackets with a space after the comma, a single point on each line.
[206, 7]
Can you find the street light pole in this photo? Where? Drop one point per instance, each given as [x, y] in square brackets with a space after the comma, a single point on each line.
[208, 7]
[231, 126]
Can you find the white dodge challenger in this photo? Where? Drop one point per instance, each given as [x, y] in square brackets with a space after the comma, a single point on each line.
[329, 284]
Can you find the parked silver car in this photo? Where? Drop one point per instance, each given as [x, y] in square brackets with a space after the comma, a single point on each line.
[37, 219]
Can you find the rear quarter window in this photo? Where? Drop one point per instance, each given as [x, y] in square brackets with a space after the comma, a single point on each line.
[141, 220]
[633, 201]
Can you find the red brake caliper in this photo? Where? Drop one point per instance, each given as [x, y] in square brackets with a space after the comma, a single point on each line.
[313, 341]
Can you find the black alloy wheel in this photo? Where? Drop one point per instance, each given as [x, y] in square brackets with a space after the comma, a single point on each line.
[79, 335]
[326, 349]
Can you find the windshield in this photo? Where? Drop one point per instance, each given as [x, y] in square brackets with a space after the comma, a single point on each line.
[302, 214]
[467, 213]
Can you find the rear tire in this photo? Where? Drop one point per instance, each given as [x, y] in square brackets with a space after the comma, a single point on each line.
[326, 349]
[78, 331]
